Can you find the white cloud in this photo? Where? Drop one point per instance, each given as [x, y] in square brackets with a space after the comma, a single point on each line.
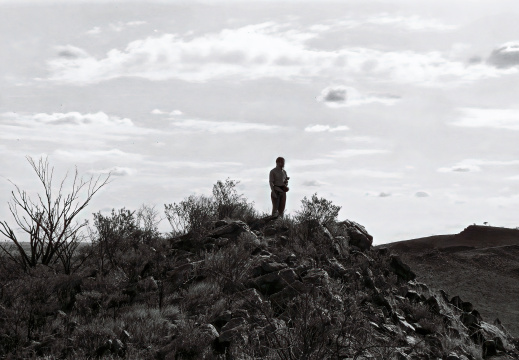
[326, 128]
[94, 31]
[309, 162]
[356, 152]
[340, 96]
[375, 174]
[313, 183]
[398, 21]
[360, 139]
[263, 51]
[220, 126]
[488, 118]
[115, 171]
[474, 165]
[82, 155]
[73, 118]
[413, 22]
[161, 112]
[199, 164]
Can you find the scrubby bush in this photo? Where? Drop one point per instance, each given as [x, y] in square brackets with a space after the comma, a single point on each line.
[191, 215]
[230, 204]
[318, 209]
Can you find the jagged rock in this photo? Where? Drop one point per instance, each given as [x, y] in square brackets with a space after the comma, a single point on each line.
[402, 270]
[413, 296]
[336, 269]
[249, 299]
[452, 356]
[208, 334]
[469, 320]
[233, 330]
[118, 347]
[220, 223]
[467, 306]
[291, 260]
[281, 298]
[271, 266]
[318, 277]
[357, 234]
[222, 319]
[444, 296]
[271, 283]
[433, 304]
[456, 301]
[476, 314]
[379, 300]
[489, 348]
[478, 337]
[148, 284]
[231, 230]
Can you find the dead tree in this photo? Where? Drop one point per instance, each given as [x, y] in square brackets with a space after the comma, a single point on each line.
[49, 220]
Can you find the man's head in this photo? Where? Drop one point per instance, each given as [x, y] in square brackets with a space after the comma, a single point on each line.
[280, 162]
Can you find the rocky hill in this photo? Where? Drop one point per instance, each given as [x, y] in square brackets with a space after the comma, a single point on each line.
[263, 289]
[481, 263]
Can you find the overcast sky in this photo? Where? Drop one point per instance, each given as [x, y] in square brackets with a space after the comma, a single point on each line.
[405, 113]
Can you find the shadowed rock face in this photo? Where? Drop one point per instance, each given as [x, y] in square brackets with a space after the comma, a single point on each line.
[480, 264]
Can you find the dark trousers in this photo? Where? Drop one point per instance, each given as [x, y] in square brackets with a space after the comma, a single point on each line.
[278, 203]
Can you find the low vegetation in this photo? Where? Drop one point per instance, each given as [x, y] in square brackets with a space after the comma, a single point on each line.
[230, 283]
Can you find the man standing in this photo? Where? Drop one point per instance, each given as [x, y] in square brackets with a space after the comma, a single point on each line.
[278, 180]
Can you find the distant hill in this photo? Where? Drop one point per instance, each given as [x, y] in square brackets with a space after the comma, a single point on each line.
[480, 264]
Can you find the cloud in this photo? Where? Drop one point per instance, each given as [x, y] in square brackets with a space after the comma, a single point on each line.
[375, 174]
[505, 56]
[94, 31]
[69, 129]
[313, 183]
[160, 112]
[115, 171]
[488, 118]
[461, 168]
[356, 152]
[474, 165]
[82, 155]
[71, 52]
[325, 128]
[340, 96]
[220, 126]
[266, 50]
[73, 118]
[198, 164]
[422, 194]
[398, 21]
[413, 22]
[309, 162]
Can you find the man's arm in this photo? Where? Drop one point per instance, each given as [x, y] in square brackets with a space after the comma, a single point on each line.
[271, 180]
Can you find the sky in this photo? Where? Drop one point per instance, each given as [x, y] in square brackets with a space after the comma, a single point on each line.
[402, 112]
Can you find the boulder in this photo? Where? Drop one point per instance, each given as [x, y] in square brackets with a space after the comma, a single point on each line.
[230, 230]
[456, 301]
[489, 348]
[469, 320]
[357, 234]
[271, 283]
[413, 296]
[402, 270]
[317, 277]
[233, 330]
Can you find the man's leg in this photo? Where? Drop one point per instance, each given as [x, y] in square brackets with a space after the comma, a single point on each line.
[282, 201]
[275, 203]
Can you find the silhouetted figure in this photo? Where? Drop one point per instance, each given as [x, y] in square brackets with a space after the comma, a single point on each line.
[278, 180]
